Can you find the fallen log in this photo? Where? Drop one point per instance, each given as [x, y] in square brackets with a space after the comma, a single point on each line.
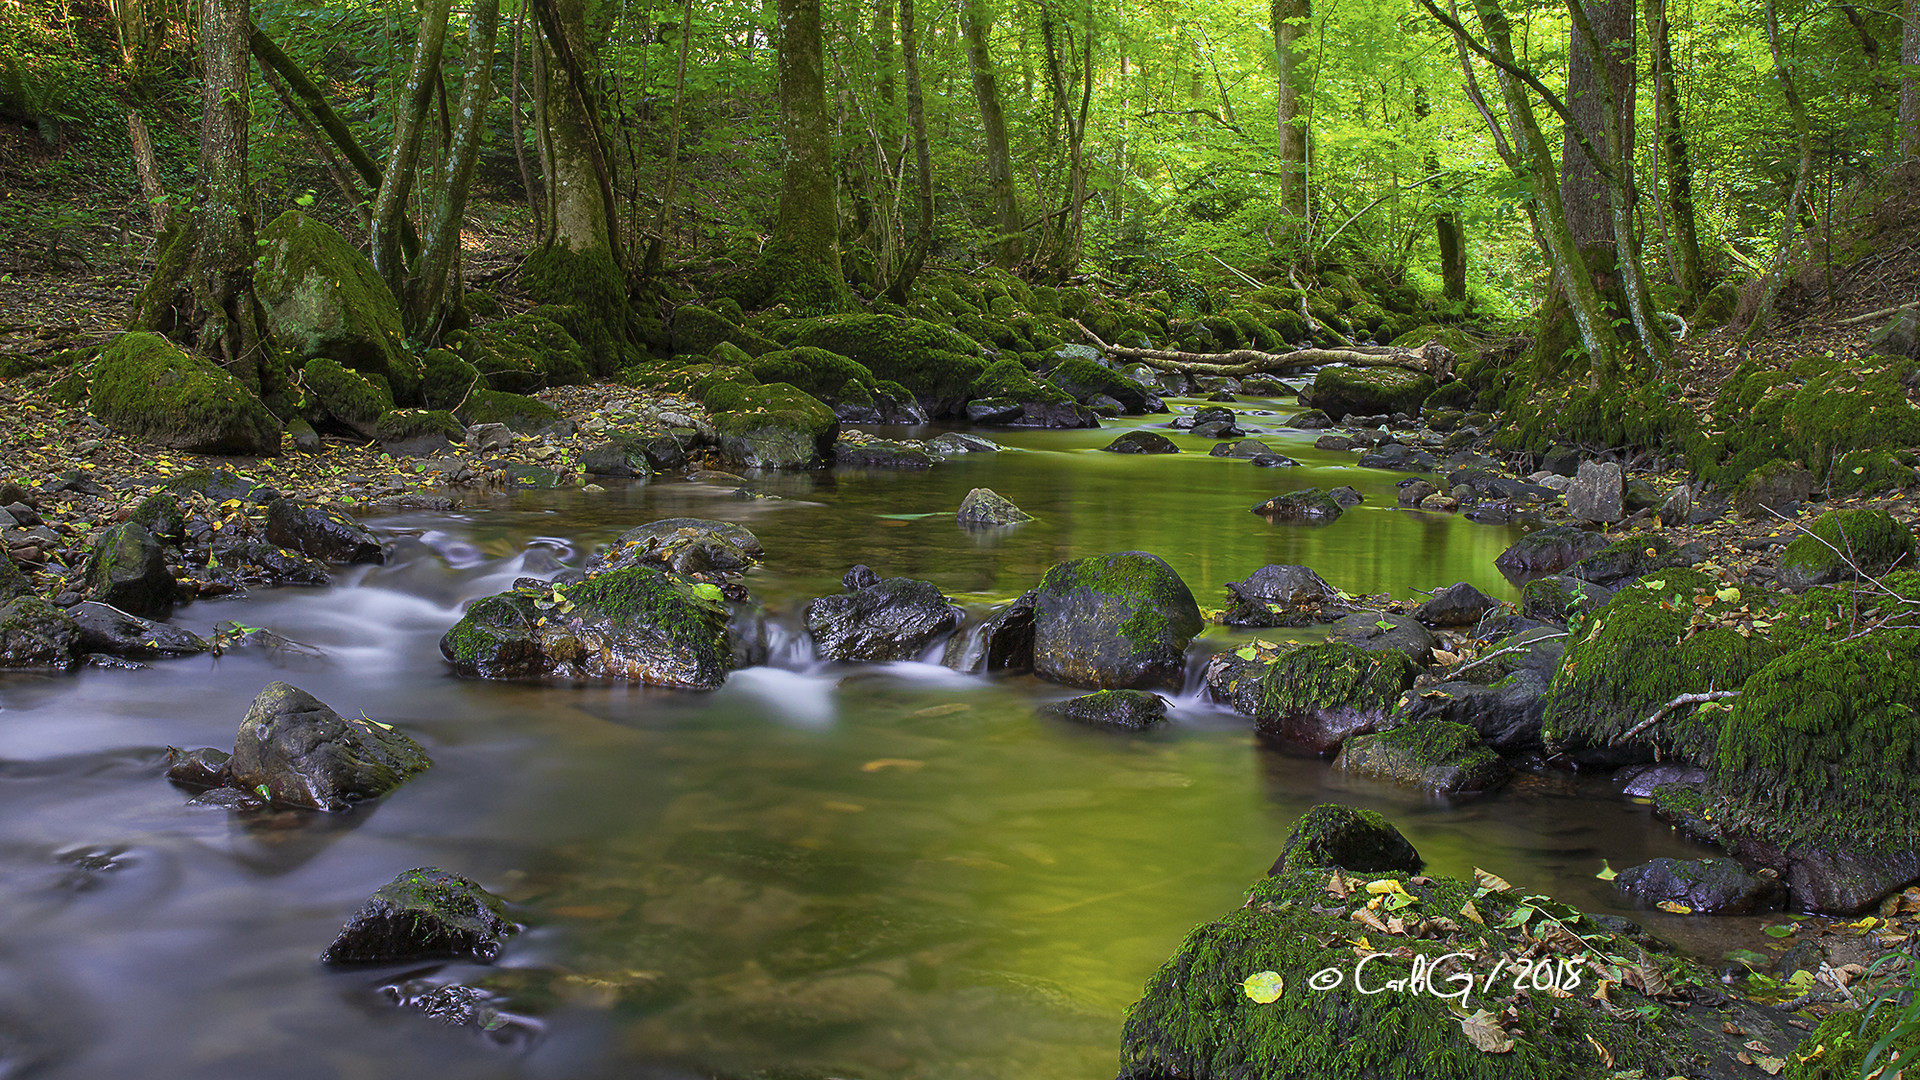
[1432, 359]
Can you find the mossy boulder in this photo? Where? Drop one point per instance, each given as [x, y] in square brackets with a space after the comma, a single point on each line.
[937, 365]
[1362, 841]
[586, 294]
[160, 514]
[1640, 651]
[321, 532]
[1119, 621]
[1837, 1049]
[35, 634]
[295, 751]
[1083, 380]
[697, 330]
[1316, 697]
[1341, 392]
[517, 411]
[13, 581]
[128, 569]
[527, 353]
[1431, 755]
[846, 386]
[639, 623]
[219, 485]
[1775, 489]
[343, 399]
[406, 433]
[1278, 988]
[1815, 412]
[1549, 550]
[1845, 544]
[1115, 710]
[323, 298]
[770, 426]
[1006, 394]
[1870, 472]
[146, 388]
[424, 914]
[448, 379]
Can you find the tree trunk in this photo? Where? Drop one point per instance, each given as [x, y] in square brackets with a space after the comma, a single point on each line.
[1910, 84]
[1063, 254]
[534, 200]
[986, 91]
[403, 154]
[916, 255]
[1676, 164]
[1289, 19]
[663, 226]
[800, 264]
[143, 166]
[1803, 130]
[226, 322]
[1453, 255]
[428, 303]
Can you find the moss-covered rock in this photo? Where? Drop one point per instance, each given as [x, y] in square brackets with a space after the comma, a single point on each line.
[1083, 380]
[146, 388]
[447, 379]
[1315, 697]
[220, 485]
[1362, 841]
[846, 386]
[1348, 391]
[424, 913]
[35, 634]
[128, 569]
[638, 623]
[1640, 651]
[1432, 755]
[1837, 1049]
[1115, 710]
[343, 399]
[770, 426]
[936, 364]
[697, 330]
[1844, 544]
[418, 432]
[527, 353]
[1010, 380]
[160, 515]
[517, 411]
[13, 581]
[586, 294]
[1775, 489]
[1114, 621]
[295, 751]
[1308, 506]
[1815, 412]
[1870, 472]
[323, 298]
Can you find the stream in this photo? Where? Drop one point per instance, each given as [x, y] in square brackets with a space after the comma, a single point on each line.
[878, 871]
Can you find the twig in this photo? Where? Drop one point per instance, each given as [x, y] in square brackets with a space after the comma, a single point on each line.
[1872, 315]
[1256, 283]
[1524, 646]
[1662, 711]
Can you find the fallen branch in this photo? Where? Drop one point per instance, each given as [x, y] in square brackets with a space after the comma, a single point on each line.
[1661, 712]
[1525, 646]
[1430, 359]
[1872, 315]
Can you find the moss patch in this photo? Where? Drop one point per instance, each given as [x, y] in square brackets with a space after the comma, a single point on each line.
[323, 298]
[936, 364]
[146, 388]
[527, 353]
[523, 414]
[586, 294]
[340, 398]
[1841, 540]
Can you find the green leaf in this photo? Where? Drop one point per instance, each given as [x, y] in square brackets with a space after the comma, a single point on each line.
[1519, 917]
[1780, 931]
[1246, 652]
[706, 591]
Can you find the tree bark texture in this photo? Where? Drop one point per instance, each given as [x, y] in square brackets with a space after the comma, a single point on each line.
[800, 264]
[226, 322]
[1676, 163]
[993, 121]
[1910, 84]
[916, 254]
[427, 294]
[403, 154]
[1289, 19]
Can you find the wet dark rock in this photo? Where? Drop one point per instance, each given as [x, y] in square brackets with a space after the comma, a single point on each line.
[219, 485]
[984, 506]
[1456, 605]
[35, 634]
[1558, 598]
[202, 768]
[296, 751]
[881, 454]
[1282, 595]
[246, 562]
[1316, 697]
[637, 622]
[1120, 621]
[1772, 490]
[1006, 412]
[1308, 506]
[685, 544]
[1004, 641]
[321, 532]
[1243, 448]
[1397, 457]
[1706, 886]
[1411, 492]
[1507, 714]
[959, 442]
[128, 569]
[1141, 442]
[1311, 420]
[107, 629]
[1272, 461]
[1362, 841]
[1346, 497]
[1549, 550]
[895, 619]
[618, 458]
[1331, 441]
[1379, 632]
[860, 576]
[1118, 710]
[1432, 755]
[1625, 560]
[1639, 781]
[459, 1006]
[1561, 461]
[424, 913]
[229, 798]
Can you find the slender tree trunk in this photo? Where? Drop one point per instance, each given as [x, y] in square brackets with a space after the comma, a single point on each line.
[428, 303]
[1675, 162]
[800, 264]
[1453, 255]
[534, 201]
[1063, 254]
[916, 256]
[993, 119]
[1289, 19]
[403, 155]
[663, 227]
[1803, 130]
[329, 156]
[1910, 83]
[143, 165]
[227, 322]
[585, 211]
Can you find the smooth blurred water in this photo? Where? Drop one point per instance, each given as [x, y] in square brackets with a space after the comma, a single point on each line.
[863, 871]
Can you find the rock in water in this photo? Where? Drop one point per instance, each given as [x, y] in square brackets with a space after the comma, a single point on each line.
[305, 754]
[1704, 886]
[1378, 632]
[1455, 605]
[983, 506]
[859, 576]
[895, 619]
[640, 623]
[1598, 492]
[321, 532]
[128, 569]
[424, 913]
[1346, 391]
[1432, 755]
[1141, 442]
[107, 629]
[35, 634]
[1549, 550]
[1309, 506]
[1281, 595]
[1114, 621]
[1317, 696]
[1120, 710]
[1358, 840]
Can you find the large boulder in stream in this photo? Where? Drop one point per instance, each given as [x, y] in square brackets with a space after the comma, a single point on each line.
[295, 751]
[1504, 697]
[1118, 621]
[687, 545]
[1549, 550]
[1341, 392]
[107, 629]
[1316, 697]
[35, 634]
[640, 622]
[128, 569]
[892, 619]
[1362, 841]
[1702, 886]
[1283, 595]
[1430, 755]
[424, 914]
[321, 532]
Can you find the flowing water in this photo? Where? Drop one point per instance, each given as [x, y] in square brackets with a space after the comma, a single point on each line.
[858, 871]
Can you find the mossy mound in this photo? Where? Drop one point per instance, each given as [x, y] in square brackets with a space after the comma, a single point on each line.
[1815, 412]
[1870, 472]
[1843, 544]
[697, 330]
[1119, 621]
[1640, 651]
[586, 293]
[527, 353]
[448, 379]
[1315, 697]
[1432, 755]
[323, 298]
[1083, 380]
[1347, 391]
[400, 425]
[522, 414]
[343, 400]
[937, 365]
[1248, 994]
[1838, 1048]
[770, 426]
[1010, 380]
[847, 386]
[1330, 834]
[146, 388]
